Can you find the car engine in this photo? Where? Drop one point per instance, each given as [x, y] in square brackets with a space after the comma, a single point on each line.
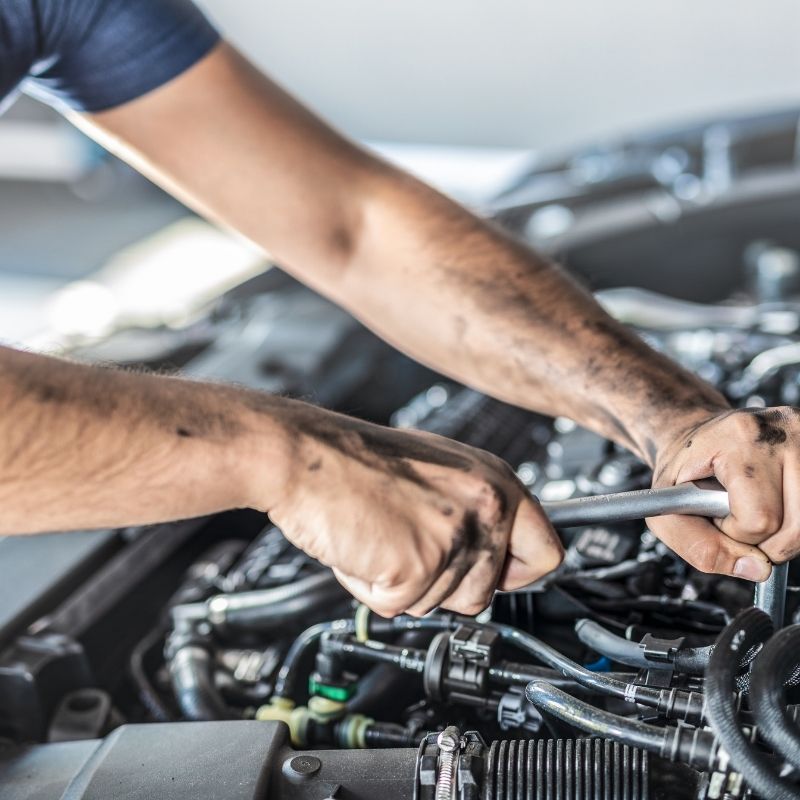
[212, 659]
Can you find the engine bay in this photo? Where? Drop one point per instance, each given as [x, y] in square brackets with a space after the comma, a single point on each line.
[212, 659]
[234, 623]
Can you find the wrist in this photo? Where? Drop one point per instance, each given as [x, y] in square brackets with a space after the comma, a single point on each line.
[671, 430]
[264, 453]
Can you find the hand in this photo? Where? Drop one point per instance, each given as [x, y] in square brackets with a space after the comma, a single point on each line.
[755, 454]
[410, 521]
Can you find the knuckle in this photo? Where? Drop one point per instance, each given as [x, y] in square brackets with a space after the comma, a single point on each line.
[415, 573]
[491, 507]
[553, 559]
[743, 422]
[761, 521]
[492, 502]
[470, 608]
[391, 577]
[414, 611]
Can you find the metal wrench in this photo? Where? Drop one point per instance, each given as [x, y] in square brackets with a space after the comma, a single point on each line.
[701, 499]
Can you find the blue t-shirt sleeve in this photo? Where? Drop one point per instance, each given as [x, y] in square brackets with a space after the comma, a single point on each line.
[92, 55]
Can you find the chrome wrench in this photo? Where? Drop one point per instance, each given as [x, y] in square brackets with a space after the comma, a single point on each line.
[701, 499]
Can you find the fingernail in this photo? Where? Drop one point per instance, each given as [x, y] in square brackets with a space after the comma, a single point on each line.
[751, 569]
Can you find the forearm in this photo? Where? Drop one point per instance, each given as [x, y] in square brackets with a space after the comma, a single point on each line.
[424, 273]
[471, 301]
[89, 447]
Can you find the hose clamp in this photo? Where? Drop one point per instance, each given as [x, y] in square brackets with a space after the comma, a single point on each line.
[449, 765]
[450, 744]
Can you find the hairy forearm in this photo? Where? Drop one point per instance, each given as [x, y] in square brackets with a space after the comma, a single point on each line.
[473, 302]
[90, 447]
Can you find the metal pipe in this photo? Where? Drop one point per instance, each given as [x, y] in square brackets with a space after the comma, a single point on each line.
[688, 498]
[770, 595]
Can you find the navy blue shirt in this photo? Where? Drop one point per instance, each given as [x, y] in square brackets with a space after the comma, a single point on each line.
[92, 55]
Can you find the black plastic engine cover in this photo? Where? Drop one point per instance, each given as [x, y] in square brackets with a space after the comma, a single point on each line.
[238, 760]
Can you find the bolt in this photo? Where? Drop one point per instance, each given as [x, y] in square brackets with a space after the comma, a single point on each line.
[449, 740]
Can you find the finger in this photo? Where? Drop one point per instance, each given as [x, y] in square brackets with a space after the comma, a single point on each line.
[360, 589]
[474, 593]
[534, 548]
[755, 491]
[699, 543]
[785, 544]
[444, 586]
[386, 602]
[471, 572]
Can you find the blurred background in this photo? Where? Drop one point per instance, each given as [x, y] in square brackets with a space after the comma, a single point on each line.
[473, 96]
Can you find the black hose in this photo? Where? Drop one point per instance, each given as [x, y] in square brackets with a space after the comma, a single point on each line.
[147, 693]
[674, 703]
[623, 651]
[775, 666]
[192, 671]
[384, 687]
[683, 743]
[407, 659]
[267, 609]
[686, 660]
[693, 660]
[286, 680]
[749, 629]
[511, 673]
[388, 734]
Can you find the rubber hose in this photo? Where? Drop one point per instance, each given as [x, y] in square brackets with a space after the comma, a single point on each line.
[690, 745]
[147, 693]
[623, 651]
[192, 673]
[776, 663]
[673, 702]
[688, 660]
[385, 686]
[387, 734]
[286, 680]
[512, 673]
[748, 629]
[693, 660]
[266, 609]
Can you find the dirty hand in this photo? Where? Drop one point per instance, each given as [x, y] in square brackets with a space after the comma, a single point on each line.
[755, 454]
[410, 521]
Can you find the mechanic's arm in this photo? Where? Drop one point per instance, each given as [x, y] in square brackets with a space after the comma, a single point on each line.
[457, 294]
[407, 520]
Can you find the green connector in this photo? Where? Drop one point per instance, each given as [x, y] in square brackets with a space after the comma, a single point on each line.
[340, 694]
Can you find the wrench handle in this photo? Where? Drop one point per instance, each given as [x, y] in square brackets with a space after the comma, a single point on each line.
[603, 509]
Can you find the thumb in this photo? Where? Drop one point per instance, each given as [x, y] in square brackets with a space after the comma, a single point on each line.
[534, 548]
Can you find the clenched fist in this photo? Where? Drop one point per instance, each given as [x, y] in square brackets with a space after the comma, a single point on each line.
[410, 521]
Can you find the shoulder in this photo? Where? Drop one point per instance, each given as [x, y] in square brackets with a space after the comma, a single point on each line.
[95, 54]
[18, 42]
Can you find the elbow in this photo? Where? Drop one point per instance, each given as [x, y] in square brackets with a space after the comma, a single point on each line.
[353, 235]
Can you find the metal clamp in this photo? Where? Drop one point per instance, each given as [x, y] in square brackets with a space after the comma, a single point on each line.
[449, 742]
